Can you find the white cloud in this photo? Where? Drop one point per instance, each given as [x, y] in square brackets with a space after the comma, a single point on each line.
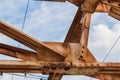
[12, 10]
[102, 38]
[49, 19]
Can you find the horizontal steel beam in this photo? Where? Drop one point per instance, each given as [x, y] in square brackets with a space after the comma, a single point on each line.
[59, 67]
[68, 51]
[108, 76]
[31, 55]
[18, 53]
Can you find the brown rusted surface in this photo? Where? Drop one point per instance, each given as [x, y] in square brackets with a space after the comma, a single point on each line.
[85, 32]
[16, 49]
[32, 43]
[71, 57]
[116, 0]
[70, 50]
[23, 56]
[85, 54]
[89, 5]
[89, 69]
[78, 53]
[74, 33]
[103, 8]
[108, 76]
[54, 76]
[115, 13]
[18, 53]
[76, 2]
[112, 3]
[59, 46]
[73, 54]
[78, 33]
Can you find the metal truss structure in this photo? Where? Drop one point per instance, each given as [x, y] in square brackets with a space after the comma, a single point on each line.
[71, 57]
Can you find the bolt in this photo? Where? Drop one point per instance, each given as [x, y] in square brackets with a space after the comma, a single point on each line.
[82, 51]
[118, 4]
[109, 1]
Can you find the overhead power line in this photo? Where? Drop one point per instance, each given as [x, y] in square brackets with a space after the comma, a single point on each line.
[22, 28]
[26, 11]
[25, 16]
[111, 48]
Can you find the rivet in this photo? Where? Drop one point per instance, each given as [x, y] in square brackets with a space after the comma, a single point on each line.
[109, 1]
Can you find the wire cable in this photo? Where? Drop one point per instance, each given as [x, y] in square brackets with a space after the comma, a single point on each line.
[22, 28]
[24, 19]
[111, 48]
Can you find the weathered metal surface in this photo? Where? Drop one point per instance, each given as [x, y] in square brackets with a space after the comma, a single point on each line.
[103, 8]
[78, 29]
[70, 51]
[85, 29]
[74, 33]
[89, 5]
[72, 57]
[108, 76]
[76, 2]
[41, 48]
[54, 76]
[115, 13]
[78, 53]
[89, 69]
[18, 53]
[23, 56]
[115, 0]
[112, 3]
[61, 47]
[85, 55]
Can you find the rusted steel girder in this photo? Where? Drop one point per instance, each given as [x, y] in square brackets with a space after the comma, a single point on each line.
[89, 69]
[30, 42]
[71, 52]
[108, 76]
[18, 53]
[67, 49]
[75, 31]
[72, 57]
[54, 76]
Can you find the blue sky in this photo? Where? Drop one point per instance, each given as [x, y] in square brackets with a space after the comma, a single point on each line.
[51, 21]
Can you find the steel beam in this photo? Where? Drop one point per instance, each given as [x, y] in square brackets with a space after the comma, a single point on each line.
[54, 76]
[108, 76]
[74, 33]
[18, 53]
[30, 42]
[67, 49]
[89, 69]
